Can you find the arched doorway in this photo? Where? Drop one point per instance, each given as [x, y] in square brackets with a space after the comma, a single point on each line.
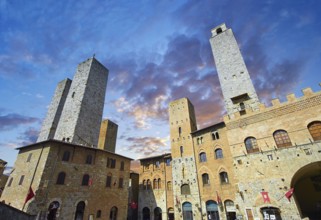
[271, 213]
[157, 213]
[80, 210]
[146, 213]
[187, 211]
[52, 210]
[212, 210]
[113, 213]
[307, 190]
[171, 214]
[230, 210]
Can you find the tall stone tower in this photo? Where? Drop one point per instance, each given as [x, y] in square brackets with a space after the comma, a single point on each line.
[108, 135]
[82, 106]
[185, 184]
[237, 87]
[50, 123]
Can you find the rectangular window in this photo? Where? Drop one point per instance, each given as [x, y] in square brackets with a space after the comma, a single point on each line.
[10, 182]
[21, 179]
[113, 163]
[168, 161]
[29, 157]
[270, 156]
[157, 164]
[308, 151]
[120, 183]
[108, 181]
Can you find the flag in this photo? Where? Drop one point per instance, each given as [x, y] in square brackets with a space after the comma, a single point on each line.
[133, 205]
[90, 182]
[219, 201]
[30, 195]
[266, 197]
[289, 194]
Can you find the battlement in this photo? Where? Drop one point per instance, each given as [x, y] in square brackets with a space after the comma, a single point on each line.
[291, 99]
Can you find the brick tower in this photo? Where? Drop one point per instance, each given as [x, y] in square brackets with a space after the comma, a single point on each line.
[185, 183]
[238, 90]
[75, 115]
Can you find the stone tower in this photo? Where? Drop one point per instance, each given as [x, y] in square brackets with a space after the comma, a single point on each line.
[108, 135]
[82, 106]
[50, 123]
[238, 90]
[185, 184]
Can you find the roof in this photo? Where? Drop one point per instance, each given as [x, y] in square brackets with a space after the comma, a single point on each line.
[208, 127]
[157, 156]
[71, 144]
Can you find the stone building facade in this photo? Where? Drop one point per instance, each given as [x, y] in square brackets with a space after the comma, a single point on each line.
[155, 188]
[258, 163]
[69, 182]
[64, 175]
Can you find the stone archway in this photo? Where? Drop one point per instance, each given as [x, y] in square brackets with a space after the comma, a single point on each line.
[307, 190]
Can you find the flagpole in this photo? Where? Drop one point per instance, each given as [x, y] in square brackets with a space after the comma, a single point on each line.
[33, 176]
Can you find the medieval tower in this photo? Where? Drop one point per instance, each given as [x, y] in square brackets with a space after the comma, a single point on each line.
[238, 91]
[185, 186]
[76, 110]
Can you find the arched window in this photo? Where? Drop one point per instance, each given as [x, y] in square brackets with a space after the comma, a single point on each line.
[282, 139]
[224, 177]
[185, 190]
[251, 145]
[230, 209]
[155, 184]
[98, 215]
[149, 186]
[157, 213]
[218, 153]
[52, 210]
[205, 179]
[144, 184]
[80, 210]
[113, 213]
[181, 149]
[187, 211]
[315, 130]
[212, 210]
[122, 165]
[169, 186]
[219, 30]
[202, 157]
[159, 183]
[179, 131]
[66, 156]
[215, 135]
[146, 213]
[85, 180]
[61, 178]
[89, 159]
[170, 213]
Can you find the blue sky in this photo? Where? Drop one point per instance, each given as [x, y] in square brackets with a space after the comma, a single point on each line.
[156, 51]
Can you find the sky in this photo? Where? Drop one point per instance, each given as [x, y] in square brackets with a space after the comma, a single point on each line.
[156, 52]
